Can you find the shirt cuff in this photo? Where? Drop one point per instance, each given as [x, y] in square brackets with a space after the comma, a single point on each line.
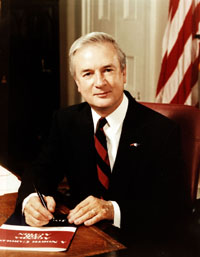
[26, 200]
[117, 214]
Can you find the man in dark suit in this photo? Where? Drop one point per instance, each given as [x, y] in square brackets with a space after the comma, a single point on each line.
[143, 149]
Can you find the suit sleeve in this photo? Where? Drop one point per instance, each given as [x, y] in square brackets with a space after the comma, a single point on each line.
[47, 171]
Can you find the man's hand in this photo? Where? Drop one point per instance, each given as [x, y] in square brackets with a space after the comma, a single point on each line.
[90, 211]
[36, 215]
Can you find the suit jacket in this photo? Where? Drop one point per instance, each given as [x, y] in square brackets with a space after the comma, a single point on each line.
[146, 177]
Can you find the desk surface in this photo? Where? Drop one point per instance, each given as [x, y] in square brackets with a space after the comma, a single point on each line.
[88, 241]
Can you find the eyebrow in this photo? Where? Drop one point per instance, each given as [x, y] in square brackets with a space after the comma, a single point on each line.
[104, 67]
[86, 70]
[108, 66]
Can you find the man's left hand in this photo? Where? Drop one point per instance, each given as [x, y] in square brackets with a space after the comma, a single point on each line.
[90, 211]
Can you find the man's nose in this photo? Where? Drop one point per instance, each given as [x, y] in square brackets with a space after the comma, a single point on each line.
[99, 80]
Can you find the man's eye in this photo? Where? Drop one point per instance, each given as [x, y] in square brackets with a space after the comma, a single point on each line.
[87, 74]
[108, 70]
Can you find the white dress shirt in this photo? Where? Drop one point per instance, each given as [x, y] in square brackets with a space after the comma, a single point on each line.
[113, 130]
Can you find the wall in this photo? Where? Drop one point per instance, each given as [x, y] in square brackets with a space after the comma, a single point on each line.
[70, 29]
[138, 27]
[78, 17]
[159, 20]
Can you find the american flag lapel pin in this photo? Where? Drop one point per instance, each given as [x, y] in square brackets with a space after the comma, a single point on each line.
[135, 144]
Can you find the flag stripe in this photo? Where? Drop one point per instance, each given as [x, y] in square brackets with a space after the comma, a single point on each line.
[196, 18]
[180, 58]
[173, 6]
[175, 79]
[172, 59]
[175, 25]
[184, 89]
[193, 96]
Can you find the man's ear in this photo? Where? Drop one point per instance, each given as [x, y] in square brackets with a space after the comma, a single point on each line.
[124, 74]
[77, 84]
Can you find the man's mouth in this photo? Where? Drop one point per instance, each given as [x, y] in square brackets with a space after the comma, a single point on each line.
[102, 94]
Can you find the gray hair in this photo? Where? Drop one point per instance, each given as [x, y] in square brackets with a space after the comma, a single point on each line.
[95, 37]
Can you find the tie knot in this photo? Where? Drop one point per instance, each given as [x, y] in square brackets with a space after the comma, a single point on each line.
[102, 122]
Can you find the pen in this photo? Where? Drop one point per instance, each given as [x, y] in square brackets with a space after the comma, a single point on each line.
[62, 218]
[41, 198]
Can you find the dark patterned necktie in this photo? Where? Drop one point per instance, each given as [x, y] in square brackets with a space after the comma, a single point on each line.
[103, 164]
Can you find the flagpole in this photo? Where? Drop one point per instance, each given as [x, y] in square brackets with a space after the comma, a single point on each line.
[199, 84]
[198, 37]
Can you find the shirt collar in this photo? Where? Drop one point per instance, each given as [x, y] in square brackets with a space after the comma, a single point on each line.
[116, 118]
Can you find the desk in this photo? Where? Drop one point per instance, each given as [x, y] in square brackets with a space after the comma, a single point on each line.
[88, 241]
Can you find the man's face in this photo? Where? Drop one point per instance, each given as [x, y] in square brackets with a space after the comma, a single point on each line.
[99, 77]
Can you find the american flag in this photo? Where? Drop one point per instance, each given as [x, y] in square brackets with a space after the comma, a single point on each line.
[178, 81]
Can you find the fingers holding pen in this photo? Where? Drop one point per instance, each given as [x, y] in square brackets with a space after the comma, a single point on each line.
[51, 204]
[36, 214]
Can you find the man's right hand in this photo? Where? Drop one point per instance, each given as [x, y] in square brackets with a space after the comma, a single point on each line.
[36, 215]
